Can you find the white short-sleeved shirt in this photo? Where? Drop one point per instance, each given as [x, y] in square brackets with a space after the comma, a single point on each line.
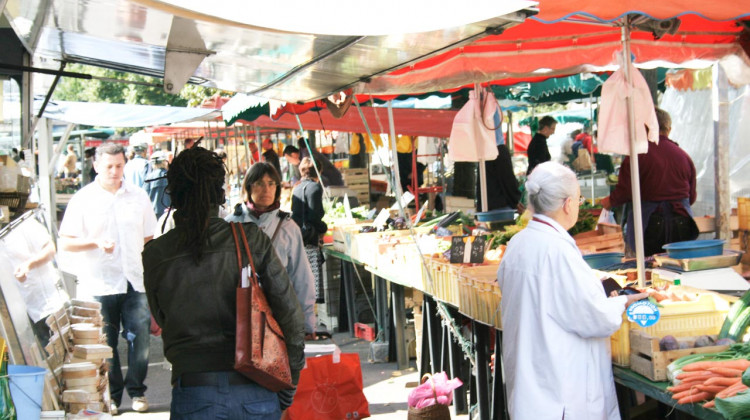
[126, 218]
[39, 291]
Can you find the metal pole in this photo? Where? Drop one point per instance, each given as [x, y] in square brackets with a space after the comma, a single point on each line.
[394, 156]
[634, 174]
[721, 152]
[482, 170]
[237, 155]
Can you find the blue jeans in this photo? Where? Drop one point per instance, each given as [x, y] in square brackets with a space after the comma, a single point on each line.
[131, 310]
[250, 401]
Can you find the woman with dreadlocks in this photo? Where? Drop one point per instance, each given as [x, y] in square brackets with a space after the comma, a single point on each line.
[191, 275]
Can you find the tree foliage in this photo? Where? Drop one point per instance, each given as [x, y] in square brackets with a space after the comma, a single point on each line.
[81, 90]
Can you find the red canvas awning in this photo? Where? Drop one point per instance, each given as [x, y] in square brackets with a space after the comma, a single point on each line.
[535, 50]
[409, 122]
[554, 10]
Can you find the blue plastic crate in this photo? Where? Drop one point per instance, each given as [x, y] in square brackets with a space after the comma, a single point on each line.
[603, 259]
[499, 215]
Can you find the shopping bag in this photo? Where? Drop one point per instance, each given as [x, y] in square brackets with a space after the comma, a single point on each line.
[606, 217]
[430, 400]
[330, 390]
[473, 133]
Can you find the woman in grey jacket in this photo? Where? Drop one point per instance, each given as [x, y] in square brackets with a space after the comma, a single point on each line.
[262, 188]
[191, 276]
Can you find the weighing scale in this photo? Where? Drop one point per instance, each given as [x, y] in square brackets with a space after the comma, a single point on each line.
[722, 280]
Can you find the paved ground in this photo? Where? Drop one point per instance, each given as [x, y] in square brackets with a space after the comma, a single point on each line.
[385, 387]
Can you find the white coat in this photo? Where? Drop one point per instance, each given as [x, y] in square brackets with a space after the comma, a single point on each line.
[556, 327]
[291, 252]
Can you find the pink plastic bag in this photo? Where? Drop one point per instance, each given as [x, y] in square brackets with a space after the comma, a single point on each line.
[424, 394]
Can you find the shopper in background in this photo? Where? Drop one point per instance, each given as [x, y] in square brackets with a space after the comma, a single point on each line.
[668, 189]
[156, 183]
[308, 212]
[270, 156]
[538, 152]
[137, 168]
[555, 312]
[106, 223]
[329, 175]
[262, 190]
[191, 277]
[69, 164]
[88, 173]
[502, 185]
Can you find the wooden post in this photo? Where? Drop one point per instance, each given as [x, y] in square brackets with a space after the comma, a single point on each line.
[720, 104]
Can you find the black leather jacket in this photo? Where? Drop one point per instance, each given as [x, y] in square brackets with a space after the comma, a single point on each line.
[195, 304]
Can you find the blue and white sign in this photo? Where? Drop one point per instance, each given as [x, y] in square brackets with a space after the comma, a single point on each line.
[643, 313]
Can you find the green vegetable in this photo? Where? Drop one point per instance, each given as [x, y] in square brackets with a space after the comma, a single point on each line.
[739, 326]
[655, 302]
[586, 222]
[746, 377]
[736, 407]
[734, 313]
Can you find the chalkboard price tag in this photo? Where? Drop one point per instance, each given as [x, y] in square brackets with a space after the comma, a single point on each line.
[467, 249]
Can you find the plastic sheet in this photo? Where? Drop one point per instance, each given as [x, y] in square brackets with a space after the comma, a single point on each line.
[693, 129]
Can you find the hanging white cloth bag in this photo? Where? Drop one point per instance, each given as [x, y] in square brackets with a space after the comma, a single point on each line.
[472, 135]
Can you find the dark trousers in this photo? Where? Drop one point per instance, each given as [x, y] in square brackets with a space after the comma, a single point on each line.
[131, 311]
[224, 401]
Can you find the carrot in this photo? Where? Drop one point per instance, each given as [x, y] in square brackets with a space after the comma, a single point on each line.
[738, 386]
[740, 364]
[697, 373]
[688, 392]
[687, 384]
[683, 386]
[710, 404]
[721, 380]
[700, 396]
[713, 389]
[736, 391]
[728, 372]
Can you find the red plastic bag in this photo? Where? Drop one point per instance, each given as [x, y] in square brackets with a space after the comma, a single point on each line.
[330, 391]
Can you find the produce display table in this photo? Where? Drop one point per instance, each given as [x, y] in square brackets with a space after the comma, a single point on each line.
[472, 301]
[656, 390]
[381, 298]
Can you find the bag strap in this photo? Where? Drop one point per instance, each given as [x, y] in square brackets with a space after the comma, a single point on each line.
[282, 218]
[249, 256]
[304, 202]
[432, 383]
[234, 226]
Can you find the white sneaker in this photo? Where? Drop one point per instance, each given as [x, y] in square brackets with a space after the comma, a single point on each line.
[113, 409]
[140, 404]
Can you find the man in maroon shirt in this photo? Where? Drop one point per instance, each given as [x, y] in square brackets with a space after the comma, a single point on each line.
[667, 178]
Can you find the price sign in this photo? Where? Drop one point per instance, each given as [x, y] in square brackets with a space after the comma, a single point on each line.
[467, 249]
[643, 313]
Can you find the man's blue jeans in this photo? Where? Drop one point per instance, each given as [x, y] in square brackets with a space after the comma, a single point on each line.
[249, 402]
[131, 311]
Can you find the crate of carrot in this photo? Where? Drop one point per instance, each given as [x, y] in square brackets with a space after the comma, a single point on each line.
[703, 381]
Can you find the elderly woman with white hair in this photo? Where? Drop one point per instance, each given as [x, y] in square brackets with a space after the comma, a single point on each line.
[557, 319]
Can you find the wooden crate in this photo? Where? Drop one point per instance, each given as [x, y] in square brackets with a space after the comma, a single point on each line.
[649, 361]
[606, 238]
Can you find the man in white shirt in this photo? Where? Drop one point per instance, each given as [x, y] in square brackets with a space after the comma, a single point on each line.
[107, 223]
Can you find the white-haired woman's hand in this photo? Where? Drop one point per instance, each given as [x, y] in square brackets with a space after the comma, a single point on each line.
[635, 298]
